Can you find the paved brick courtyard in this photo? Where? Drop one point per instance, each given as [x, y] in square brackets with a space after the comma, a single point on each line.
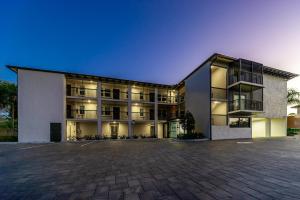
[152, 169]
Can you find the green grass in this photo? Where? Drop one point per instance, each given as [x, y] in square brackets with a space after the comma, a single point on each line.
[8, 139]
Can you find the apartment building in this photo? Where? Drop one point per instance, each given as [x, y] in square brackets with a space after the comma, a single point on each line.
[228, 97]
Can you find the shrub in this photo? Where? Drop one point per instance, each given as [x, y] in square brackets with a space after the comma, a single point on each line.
[186, 136]
[122, 137]
[135, 137]
[292, 131]
[8, 138]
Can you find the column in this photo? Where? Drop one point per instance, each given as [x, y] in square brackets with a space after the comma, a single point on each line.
[129, 112]
[156, 113]
[99, 110]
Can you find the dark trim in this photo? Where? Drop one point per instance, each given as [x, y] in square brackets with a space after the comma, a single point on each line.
[93, 77]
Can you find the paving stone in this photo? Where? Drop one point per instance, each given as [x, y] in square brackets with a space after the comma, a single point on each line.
[158, 169]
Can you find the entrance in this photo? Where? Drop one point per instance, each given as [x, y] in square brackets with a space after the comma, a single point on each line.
[114, 128]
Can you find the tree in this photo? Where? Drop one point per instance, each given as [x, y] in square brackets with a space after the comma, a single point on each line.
[8, 99]
[293, 96]
[188, 122]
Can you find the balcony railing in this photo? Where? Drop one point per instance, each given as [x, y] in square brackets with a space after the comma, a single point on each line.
[111, 115]
[143, 97]
[81, 92]
[142, 116]
[114, 94]
[167, 116]
[218, 93]
[247, 77]
[246, 104]
[166, 99]
[81, 114]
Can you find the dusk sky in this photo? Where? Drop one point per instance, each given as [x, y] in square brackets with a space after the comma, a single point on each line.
[158, 41]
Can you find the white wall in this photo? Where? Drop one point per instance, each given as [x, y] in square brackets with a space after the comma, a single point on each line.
[225, 132]
[41, 100]
[197, 98]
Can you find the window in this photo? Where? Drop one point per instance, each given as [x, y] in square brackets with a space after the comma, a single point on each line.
[105, 93]
[239, 122]
[81, 110]
[82, 91]
[141, 95]
[141, 112]
[105, 110]
[127, 94]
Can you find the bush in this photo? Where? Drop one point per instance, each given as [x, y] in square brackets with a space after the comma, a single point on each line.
[8, 138]
[292, 131]
[186, 136]
[122, 137]
[135, 137]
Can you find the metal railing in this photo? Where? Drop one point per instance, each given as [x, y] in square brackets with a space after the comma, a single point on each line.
[121, 95]
[166, 99]
[142, 116]
[82, 114]
[247, 77]
[111, 115]
[143, 97]
[246, 104]
[81, 92]
[218, 93]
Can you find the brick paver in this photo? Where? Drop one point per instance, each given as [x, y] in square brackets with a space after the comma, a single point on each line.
[152, 169]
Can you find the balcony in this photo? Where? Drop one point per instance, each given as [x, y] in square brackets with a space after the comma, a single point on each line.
[245, 71]
[114, 94]
[143, 97]
[81, 92]
[142, 116]
[246, 77]
[218, 93]
[166, 99]
[81, 114]
[247, 105]
[114, 115]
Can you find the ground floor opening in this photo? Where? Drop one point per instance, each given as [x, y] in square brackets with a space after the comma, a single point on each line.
[269, 127]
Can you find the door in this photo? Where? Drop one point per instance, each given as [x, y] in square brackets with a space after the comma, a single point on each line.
[239, 104]
[151, 114]
[116, 113]
[55, 132]
[152, 131]
[69, 111]
[151, 97]
[114, 128]
[116, 94]
[69, 90]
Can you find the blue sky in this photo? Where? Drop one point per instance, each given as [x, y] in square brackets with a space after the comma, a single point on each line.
[158, 41]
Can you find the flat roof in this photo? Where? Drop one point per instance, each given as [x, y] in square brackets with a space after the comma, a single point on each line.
[215, 57]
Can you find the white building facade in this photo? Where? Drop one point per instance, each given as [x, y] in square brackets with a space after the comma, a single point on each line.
[229, 99]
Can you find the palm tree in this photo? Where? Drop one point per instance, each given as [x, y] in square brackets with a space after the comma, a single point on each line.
[293, 96]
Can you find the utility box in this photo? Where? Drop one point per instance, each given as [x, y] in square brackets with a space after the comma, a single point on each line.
[55, 132]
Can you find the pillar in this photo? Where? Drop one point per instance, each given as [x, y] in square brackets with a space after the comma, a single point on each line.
[99, 110]
[129, 112]
[156, 112]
